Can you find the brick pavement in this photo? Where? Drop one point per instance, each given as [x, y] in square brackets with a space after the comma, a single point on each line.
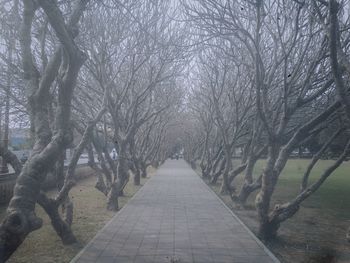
[175, 218]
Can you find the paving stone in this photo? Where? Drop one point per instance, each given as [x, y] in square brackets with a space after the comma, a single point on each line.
[202, 257]
[106, 259]
[174, 218]
[123, 259]
[222, 258]
[83, 260]
[163, 259]
[144, 259]
[164, 251]
[109, 252]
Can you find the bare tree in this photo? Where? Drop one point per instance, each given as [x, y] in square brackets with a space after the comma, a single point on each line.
[21, 219]
[229, 91]
[291, 73]
[339, 63]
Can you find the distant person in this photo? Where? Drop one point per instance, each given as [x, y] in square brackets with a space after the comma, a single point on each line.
[114, 155]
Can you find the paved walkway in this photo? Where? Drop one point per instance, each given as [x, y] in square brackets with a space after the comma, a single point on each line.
[175, 218]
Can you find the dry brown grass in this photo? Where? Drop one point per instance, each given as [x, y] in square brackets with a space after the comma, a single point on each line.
[90, 215]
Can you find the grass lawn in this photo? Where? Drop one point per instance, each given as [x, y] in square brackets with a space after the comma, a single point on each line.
[317, 232]
[90, 215]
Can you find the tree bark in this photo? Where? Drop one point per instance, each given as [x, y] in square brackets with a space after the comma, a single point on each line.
[143, 170]
[269, 179]
[121, 181]
[20, 219]
[137, 174]
[249, 186]
[225, 186]
[100, 182]
[247, 189]
[5, 139]
[216, 175]
[61, 226]
[112, 197]
[234, 173]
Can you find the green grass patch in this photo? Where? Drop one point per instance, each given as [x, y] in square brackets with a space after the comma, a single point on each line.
[318, 229]
[333, 194]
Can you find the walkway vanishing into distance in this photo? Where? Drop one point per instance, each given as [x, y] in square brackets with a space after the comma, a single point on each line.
[175, 218]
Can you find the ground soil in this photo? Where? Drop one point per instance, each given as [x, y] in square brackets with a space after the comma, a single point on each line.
[90, 215]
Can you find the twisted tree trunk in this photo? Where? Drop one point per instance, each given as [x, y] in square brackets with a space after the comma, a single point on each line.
[269, 179]
[20, 219]
[143, 170]
[216, 175]
[120, 182]
[225, 186]
[137, 174]
[249, 185]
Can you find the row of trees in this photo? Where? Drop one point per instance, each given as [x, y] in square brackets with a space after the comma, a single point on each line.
[270, 77]
[266, 77]
[92, 75]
